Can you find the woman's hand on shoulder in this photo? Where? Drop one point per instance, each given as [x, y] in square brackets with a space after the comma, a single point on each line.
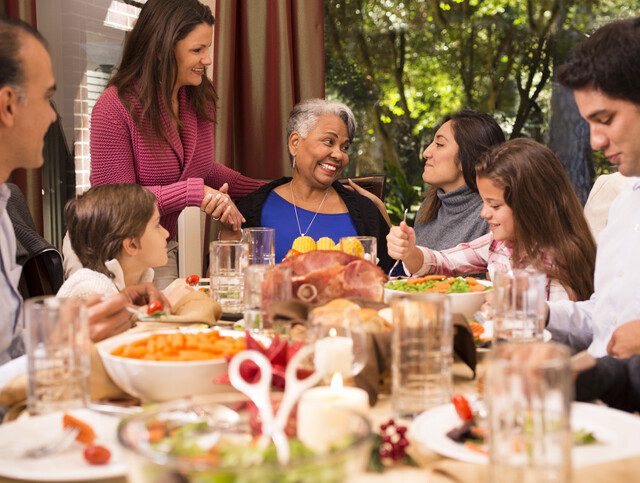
[367, 194]
[219, 206]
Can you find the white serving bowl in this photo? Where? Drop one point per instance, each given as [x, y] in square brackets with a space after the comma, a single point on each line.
[466, 304]
[156, 381]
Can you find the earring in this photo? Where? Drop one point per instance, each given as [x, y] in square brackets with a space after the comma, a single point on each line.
[293, 165]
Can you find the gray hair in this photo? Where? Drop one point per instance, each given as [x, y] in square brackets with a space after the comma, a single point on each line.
[305, 114]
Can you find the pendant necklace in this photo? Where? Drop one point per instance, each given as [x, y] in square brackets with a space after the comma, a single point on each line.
[295, 210]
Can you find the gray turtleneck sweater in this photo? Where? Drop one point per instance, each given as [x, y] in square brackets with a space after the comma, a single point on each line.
[458, 220]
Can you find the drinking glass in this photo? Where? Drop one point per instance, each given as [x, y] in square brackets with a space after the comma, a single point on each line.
[528, 396]
[264, 285]
[361, 246]
[260, 245]
[519, 303]
[226, 265]
[57, 344]
[341, 342]
[421, 353]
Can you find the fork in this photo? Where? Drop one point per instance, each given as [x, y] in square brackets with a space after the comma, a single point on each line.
[404, 218]
[54, 446]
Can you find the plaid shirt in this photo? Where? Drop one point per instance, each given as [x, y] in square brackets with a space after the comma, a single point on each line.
[479, 255]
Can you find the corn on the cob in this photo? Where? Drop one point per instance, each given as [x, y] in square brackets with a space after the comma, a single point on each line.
[325, 243]
[304, 244]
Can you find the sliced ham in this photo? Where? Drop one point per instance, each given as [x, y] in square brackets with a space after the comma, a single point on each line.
[321, 276]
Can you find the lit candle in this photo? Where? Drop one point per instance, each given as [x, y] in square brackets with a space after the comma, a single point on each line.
[319, 424]
[334, 354]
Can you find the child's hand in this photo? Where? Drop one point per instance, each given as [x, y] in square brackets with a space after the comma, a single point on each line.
[401, 241]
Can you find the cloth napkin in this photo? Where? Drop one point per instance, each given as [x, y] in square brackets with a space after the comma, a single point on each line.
[374, 378]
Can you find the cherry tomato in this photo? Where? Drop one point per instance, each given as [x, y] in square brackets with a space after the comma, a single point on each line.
[192, 280]
[155, 306]
[462, 407]
[96, 455]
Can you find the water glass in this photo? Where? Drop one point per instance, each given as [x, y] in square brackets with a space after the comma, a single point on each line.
[57, 343]
[528, 396]
[421, 353]
[519, 303]
[264, 285]
[226, 264]
[361, 246]
[260, 245]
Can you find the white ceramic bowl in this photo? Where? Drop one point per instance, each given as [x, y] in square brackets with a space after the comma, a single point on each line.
[155, 381]
[466, 304]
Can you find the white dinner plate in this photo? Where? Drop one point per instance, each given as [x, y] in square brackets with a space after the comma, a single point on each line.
[617, 434]
[68, 465]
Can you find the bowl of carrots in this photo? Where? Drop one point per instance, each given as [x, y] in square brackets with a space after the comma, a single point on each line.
[466, 294]
[170, 364]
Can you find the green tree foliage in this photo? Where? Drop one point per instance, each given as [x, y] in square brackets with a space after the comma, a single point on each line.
[401, 65]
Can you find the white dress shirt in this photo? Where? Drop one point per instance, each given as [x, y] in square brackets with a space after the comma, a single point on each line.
[616, 297]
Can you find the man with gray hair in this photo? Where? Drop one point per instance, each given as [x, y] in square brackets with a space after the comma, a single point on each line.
[26, 87]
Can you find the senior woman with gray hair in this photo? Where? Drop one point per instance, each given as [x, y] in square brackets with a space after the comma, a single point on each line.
[313, 202]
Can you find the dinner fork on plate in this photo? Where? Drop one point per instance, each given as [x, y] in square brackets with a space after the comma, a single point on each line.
[56, 445]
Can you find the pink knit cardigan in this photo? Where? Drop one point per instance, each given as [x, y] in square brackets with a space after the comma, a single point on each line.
[174, 171]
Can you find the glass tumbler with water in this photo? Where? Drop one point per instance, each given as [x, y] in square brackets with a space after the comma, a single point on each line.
[528, 395]
[422, 353]
[226, 264]
[519, 303]
[260, 245]
[57, 344]
[361, 246]
[263, 286]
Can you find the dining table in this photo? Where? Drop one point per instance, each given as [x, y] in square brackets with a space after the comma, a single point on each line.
[433, 468]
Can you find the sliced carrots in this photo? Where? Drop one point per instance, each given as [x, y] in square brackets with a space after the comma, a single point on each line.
[182, 347]
[86, 433]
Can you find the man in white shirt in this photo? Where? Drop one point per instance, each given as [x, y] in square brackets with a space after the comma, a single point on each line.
[26, 87]
[605, 77]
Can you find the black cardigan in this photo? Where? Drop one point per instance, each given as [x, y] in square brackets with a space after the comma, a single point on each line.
[365, 215]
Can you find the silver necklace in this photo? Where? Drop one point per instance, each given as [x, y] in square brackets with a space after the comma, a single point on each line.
[295, 210]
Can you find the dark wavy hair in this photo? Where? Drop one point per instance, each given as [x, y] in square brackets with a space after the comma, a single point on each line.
[548, 220]
[148, 68]
[474, 133]
[99, 221]
[609, 61]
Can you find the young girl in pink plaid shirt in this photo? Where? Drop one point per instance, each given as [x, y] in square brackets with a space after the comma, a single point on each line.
[534, 217]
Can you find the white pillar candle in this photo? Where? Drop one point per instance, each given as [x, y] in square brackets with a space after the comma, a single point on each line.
[320, 425]
[334, 354]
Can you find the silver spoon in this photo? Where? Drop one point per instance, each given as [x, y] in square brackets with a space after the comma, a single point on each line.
[404, 218]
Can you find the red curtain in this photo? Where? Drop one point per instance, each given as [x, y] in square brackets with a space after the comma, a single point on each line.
[29, 181]
[268, 55]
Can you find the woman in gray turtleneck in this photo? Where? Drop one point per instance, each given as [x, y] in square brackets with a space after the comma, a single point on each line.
[450, 213]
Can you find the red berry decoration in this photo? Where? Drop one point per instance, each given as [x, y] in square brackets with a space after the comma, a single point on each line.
[393, 442]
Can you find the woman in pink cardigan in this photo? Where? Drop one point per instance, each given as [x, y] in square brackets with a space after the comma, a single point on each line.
[153, 125]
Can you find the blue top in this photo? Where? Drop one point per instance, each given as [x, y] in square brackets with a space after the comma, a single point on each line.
[278, 213]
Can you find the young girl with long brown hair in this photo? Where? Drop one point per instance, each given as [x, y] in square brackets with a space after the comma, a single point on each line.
[534, 217]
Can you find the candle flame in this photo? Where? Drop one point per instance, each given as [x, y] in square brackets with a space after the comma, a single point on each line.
[333, 332]
[336, 382]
